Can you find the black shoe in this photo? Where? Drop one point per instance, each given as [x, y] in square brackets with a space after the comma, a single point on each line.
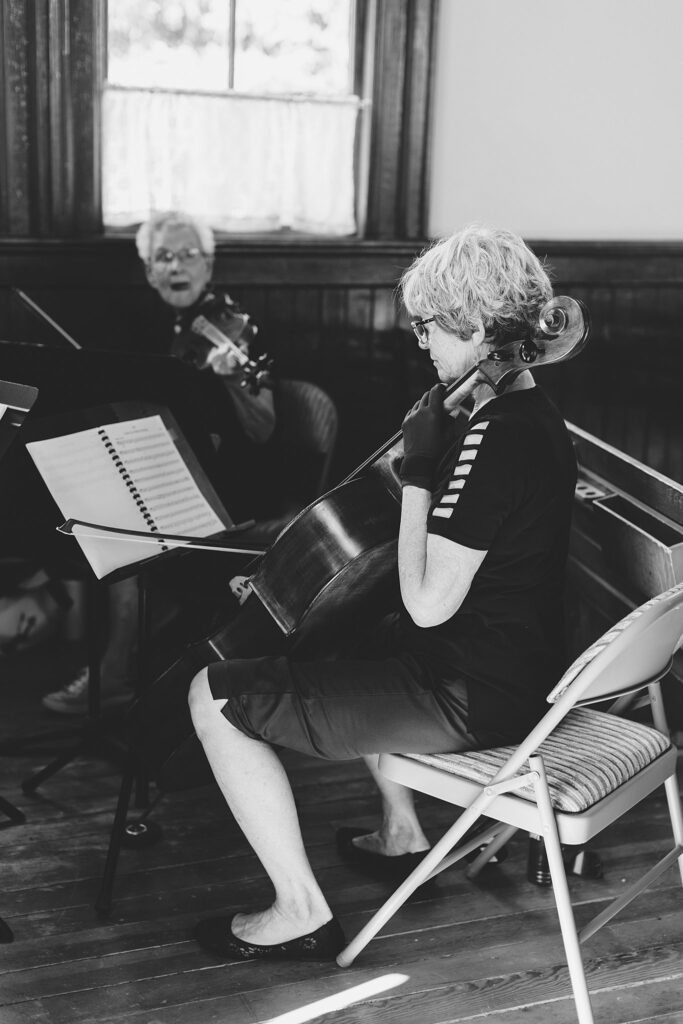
[377, 865]
[215, 935]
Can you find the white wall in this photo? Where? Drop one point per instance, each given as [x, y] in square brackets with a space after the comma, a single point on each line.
[559, 118]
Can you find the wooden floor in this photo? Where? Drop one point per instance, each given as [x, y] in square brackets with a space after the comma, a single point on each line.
[485, 951]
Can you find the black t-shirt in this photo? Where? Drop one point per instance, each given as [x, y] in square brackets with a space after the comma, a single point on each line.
[506, 487]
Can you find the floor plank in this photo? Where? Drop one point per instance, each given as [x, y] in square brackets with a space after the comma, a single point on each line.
[487, 951]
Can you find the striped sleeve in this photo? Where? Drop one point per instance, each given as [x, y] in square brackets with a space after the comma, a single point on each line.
[483, 484]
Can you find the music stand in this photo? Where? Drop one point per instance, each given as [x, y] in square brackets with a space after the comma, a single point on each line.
[138, 569]
[16, 401]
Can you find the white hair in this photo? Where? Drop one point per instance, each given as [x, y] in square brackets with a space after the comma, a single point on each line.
[146, 233]
[477, 276]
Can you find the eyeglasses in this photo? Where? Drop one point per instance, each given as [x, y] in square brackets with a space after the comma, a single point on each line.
[164, 257]
[420, 330]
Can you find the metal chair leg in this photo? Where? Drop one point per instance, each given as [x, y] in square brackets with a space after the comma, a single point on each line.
[490, 850]
[436, 860]
[565, 913]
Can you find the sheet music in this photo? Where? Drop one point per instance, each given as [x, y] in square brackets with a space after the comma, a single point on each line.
[87, 483]
[165, 483]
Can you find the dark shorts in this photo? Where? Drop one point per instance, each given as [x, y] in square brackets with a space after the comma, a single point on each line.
[343, 709]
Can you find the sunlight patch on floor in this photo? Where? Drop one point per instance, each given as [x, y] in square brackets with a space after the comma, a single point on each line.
[339, 1001]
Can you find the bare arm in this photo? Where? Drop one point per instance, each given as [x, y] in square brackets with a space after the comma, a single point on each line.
[435, 573]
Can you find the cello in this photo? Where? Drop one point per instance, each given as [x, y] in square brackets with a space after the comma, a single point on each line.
[336, 561]
[333, 564]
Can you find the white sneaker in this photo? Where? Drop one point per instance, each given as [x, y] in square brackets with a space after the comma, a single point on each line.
[72, 699]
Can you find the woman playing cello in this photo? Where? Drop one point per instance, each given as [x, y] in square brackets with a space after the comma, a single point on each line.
[466, 663]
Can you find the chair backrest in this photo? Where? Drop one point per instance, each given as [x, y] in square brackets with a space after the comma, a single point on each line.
[636, 650]
[307, 423]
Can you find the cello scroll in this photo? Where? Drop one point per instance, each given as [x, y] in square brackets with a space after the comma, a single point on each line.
[561, 333]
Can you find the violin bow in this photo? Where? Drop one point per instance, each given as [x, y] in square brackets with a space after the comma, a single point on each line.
[166, 539]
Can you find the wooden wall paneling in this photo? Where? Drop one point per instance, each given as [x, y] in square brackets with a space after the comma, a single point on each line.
[358, 404]
[386, 118]
[386, 310]
[334, 315]
[5, 109]
[88, 54]
[306, 337]
[15, 199]
[39, 68]
[417, 88]
[665, 308]
[278, 328]
[359, 338]
[400, 118]
[330, 314]
[393, 347]
[50, 55]
[256, 302]
[5, 315]
[62, 149]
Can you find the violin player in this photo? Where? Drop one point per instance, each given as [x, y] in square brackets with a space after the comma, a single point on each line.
[467, 661]
[177, 251]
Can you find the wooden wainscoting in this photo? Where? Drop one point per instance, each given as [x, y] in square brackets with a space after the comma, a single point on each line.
[328, 311]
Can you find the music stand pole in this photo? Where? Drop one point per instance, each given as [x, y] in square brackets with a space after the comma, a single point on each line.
[16, 401]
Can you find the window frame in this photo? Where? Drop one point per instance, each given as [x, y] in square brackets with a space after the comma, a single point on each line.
[52, 62]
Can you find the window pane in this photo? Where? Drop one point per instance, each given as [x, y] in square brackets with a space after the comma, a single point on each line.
[168, 43]
[293, 46]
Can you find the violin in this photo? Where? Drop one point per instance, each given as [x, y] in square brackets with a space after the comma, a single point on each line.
[255, 373]
[336, 563]
[218, 329]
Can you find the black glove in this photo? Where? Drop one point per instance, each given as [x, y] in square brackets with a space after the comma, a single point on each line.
[423, 430]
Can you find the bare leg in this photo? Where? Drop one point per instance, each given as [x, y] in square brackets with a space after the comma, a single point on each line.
[257, 789]
[400, 830]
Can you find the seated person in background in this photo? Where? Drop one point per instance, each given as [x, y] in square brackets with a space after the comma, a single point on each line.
[482, 546]
[178, 251]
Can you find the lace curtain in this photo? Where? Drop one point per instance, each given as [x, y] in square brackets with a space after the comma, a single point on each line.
[243, 163]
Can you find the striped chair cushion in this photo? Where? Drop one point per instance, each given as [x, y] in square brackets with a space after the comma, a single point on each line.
[588, 756]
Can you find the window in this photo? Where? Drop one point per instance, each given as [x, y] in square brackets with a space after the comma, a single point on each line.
[239, 111]
[53, 57]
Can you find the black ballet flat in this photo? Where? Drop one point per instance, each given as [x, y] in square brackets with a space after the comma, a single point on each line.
[215, 935]
[377, 865]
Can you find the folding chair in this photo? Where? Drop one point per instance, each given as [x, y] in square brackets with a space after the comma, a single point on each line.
[578, 770]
